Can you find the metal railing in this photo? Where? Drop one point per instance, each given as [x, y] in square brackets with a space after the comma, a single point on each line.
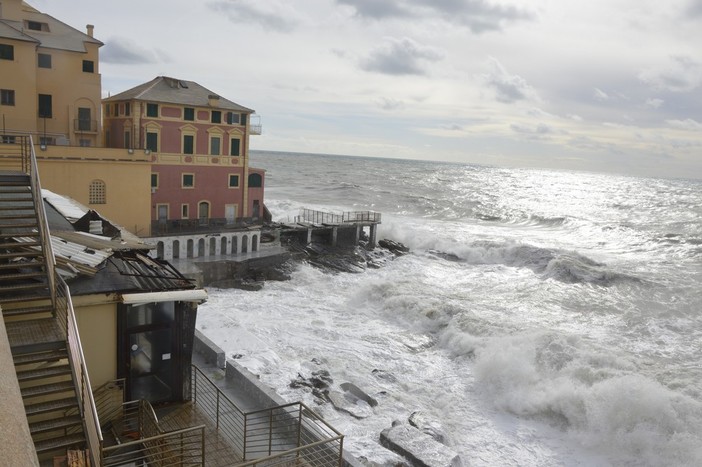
[276, 435]
[147, 443]
[211, 224]
[85, 125]
[67, 319]
[321, 217]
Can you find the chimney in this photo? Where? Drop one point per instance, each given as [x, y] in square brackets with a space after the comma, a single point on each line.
[90, 28]
[213, 100]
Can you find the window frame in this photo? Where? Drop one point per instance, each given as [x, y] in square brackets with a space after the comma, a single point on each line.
[88, 66]
[218, 118]
[7, 52]
[185, 211]
[218, 152]
[7, 97]
[148, 144]
[154, 179]
[191, 138]
[151, 110]
[234, 177]
[42, 107]
[44, 61]
[182, 180]
[238, 147]
[187, 113]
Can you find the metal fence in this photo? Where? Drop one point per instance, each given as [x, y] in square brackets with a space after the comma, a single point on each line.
[321, 217]
[274, 436]
[194, 226]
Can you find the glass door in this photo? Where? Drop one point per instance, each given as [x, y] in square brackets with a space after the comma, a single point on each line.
[151, 365]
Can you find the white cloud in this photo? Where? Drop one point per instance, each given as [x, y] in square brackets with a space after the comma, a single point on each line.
[508, 88]
[654, 103]
[688, 124]
[679, 74]
[400, 57]
[600, 95]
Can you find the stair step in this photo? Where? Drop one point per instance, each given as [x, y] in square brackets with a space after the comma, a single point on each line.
[33, 310]
[16, 287]
[24, 298]
[54, 424]
[14, 207]
[44, 389]
[47, 372]
[20, 225]
[22, 265]
[21, 254]
[22, 275]
[50, 406]
[19, 244]
[31, 233]
[53, 444]
[30, 215]
[52, 355]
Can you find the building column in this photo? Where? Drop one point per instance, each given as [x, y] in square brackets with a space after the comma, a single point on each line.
[373, 235]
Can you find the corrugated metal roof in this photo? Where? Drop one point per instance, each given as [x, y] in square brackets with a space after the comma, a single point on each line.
[79, 253]
[68, 207]
[176, 91]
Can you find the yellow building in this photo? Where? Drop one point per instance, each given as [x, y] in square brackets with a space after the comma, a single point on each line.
[51, 88]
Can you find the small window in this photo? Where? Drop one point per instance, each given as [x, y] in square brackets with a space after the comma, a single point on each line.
[127, 109]
[154, 180]
[7, 52]
[45, 107]
[188, 181]
[215, 145]
[184, 211]
[44, 61]
[152, 141]
[188, 144]
[189, 114]
[88, 66]
[152, 110]
[216, 116]
[232, 118]
[255, 181]
[7, 96]
[97, 192]
[7, 139]
[233, 181]
[37, 26]
[235, 147]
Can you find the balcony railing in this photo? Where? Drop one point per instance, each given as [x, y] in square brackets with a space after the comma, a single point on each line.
[85, 126]
[255, 127]
[321, 217]
[284, 435]
[194, 226]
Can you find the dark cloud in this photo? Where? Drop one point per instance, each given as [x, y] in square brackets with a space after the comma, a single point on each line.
[270, 15]
[478, 15]
[400, 57]
[508, 88]
[680, 74]
[126, 52]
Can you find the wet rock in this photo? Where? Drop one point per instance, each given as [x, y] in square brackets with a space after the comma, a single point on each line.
[430, 426]
[356, 392]
[384, 375]
[395, 247]
[347, 402]
[418, 448]
[319, 380]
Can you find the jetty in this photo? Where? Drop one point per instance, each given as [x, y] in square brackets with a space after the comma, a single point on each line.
[344, 229]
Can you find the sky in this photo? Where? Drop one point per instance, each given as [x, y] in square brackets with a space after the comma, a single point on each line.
[599, 85]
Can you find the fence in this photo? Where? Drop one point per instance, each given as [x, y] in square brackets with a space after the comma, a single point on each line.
[321, 217]
[276, 435]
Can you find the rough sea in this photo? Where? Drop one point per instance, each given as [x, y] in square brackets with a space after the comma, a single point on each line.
[542, 318]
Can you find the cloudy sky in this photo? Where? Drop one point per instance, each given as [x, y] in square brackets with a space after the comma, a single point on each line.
[603, 85]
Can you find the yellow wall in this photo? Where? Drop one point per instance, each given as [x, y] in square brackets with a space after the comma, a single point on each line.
[69, 171]
[97, 325]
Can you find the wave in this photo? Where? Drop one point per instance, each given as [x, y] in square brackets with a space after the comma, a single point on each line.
[595, 396]
[550, 263]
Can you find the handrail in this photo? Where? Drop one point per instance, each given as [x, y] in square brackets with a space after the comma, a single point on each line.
[322, 217]
[287, 431]
[174, 448]
[88, 411]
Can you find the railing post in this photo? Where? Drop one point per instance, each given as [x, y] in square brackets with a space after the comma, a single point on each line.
[246, 419]
[270, 432]
[217, 421]
[299, 427]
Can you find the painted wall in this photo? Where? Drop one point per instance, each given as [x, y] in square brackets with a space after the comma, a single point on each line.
[69, 171]
[97, 325]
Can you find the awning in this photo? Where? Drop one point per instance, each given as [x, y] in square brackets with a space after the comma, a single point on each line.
[196, 295]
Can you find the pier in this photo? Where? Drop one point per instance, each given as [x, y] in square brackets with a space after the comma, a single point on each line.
[343, 229]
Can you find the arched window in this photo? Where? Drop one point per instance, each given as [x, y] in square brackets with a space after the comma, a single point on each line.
[97, 194]
[255, 181]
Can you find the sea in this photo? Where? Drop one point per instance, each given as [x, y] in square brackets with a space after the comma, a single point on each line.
[541, 318]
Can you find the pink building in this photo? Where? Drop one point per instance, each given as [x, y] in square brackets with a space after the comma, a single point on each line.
[199, 147]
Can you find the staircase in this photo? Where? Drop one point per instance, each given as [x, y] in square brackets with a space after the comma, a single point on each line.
[38, 341]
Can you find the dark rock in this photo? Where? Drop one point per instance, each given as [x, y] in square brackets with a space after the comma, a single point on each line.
[356, 392]
[384, 375]
[395, 247]
[347, 402]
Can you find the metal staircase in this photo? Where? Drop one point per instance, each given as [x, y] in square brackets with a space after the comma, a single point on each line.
[45, 371]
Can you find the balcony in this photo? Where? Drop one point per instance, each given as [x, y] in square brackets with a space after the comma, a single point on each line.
[85, 126]
[255, 127]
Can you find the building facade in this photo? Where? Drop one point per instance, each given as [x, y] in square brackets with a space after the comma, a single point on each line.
[50, 87]
[198, 143]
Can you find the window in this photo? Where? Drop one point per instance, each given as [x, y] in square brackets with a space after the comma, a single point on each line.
[235, 147]
[189, 114]
[45, 106]
[127, 109]
[154, 180]
[7, 139]
[97, 192]
[184, 214]
[88, 66]
[128, 139]
[44, 61]
[188, 144]
[116, 110]
[188, 181]
[152, 110]
[36, 26]
[255, 181]
[215, 144]
[152, 141]
[232, 118]
[216, 116]
[7, 52]
[233, 181]
[7, 96]
[84, 119]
